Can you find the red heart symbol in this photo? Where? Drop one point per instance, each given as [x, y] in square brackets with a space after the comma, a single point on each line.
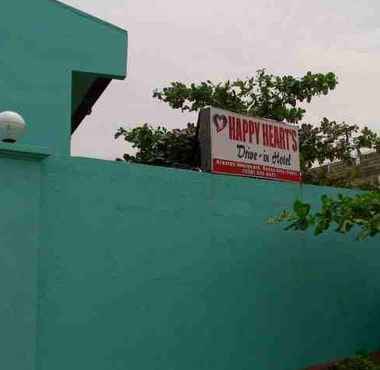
[220, 122]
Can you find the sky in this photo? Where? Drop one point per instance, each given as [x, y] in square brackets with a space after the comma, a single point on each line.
[181, 40]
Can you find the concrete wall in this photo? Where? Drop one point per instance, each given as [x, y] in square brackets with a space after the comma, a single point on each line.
[150, 268]
[19, 232]
[367, 171]
[42, 43]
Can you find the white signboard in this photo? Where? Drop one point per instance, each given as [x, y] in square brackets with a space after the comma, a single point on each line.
[256, 147]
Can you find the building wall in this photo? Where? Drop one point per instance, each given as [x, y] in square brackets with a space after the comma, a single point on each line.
[151, 268]
[367, 171]
[39, 54]
[19, 240]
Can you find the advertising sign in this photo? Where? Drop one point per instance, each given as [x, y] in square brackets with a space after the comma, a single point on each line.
[245, 146]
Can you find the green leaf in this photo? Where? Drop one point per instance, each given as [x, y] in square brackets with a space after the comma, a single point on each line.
[301, 209]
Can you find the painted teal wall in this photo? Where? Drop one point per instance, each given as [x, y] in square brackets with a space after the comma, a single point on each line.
[151, 268]
[19, 231]
[112, 266]
[42, 43]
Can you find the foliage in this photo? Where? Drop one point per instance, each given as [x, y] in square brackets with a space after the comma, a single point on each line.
[159, 146]
[360, 362]
[280, 98]
[332, 141]
[264, 95]
[178, 148]
[345, 212]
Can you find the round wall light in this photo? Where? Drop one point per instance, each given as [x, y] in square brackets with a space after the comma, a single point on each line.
[12, 127]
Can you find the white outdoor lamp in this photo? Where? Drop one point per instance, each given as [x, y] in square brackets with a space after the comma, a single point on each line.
[12, 127]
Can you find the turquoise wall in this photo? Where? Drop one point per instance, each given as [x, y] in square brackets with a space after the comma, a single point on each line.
[19, 231]
[42, 43]
[113, 266]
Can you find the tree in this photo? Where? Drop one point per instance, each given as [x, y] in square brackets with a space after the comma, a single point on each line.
[332, 141]
[264, 95]
[335, 141]
[161, 147]
[276, 97]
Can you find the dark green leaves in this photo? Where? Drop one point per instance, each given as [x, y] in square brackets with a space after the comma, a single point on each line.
[264, 95]
[345, 212]
[332, 141]
[159, 146]
[300, 219]
[301, 209]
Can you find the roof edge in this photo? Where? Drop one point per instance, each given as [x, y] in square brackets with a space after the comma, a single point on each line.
[88, 16]
[85, 107]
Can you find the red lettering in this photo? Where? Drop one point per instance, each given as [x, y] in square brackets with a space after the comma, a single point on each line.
[282, 138]
[287, 138]
[251, 130]
[231, 124]
[245, 129]
[257, 131]
[271, 136]
[276, 138]
[239, 134]
[294, 137]
[265, 135]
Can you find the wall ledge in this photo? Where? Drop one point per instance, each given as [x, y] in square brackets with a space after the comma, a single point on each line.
[20, 151]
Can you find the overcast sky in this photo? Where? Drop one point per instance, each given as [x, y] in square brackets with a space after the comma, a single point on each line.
[222, 39]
